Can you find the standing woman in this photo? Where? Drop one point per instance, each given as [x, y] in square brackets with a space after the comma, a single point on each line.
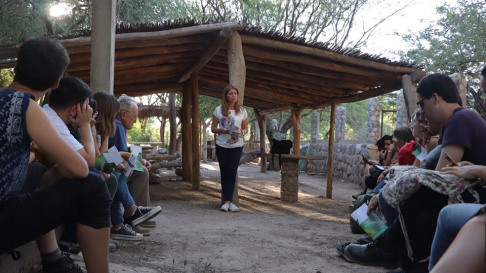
[233, 125]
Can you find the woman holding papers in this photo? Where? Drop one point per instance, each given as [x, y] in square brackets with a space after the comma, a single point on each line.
[230, 124]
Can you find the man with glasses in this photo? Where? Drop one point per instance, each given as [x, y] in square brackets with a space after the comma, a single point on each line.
[462, 137]
[138, 182]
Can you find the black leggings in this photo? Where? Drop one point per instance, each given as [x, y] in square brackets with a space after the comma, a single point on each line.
[229, 159]
[26, 217]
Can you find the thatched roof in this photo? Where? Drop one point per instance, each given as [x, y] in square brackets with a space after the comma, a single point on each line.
[281, 72]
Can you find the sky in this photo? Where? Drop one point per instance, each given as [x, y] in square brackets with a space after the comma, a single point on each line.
[412, 19]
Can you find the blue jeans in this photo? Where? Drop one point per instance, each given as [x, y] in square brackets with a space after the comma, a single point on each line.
[122, 197]
[388, 211]
[451, 220]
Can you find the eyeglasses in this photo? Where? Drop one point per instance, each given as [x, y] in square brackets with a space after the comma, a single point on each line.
[134, 116]
[420, 103]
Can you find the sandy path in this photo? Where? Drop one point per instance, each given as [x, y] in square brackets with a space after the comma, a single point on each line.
[266, 235]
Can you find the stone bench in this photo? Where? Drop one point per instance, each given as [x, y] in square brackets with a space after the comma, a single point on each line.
[289, 175]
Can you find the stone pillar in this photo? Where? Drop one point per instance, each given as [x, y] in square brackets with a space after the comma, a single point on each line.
[256, 131]
[340, 124]
[289, 177]
[374, 111]
[402, 117]
[461, 84]
[315, 119]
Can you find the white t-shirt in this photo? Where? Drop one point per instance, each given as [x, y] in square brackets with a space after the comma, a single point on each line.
[62, 128]
[232, 123]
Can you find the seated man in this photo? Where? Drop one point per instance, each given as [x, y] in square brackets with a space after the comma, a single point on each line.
[64, 108]
[138, 182]
[461, 137]
[25, 217]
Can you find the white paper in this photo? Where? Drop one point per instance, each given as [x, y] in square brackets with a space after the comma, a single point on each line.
[135, 150]
[360, 215]
[422, 155]
[113, 156]
[130, 164]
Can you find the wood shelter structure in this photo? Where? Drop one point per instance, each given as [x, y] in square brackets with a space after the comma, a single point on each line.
[272, 72]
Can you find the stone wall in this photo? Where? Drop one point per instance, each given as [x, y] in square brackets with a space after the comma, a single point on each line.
[348, 163]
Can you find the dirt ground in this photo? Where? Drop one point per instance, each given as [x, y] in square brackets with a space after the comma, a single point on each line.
[266, 235]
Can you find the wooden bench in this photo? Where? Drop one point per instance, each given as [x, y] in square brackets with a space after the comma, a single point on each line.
[289, 174]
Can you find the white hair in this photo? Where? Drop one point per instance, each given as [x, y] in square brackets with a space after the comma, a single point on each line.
[126, 102]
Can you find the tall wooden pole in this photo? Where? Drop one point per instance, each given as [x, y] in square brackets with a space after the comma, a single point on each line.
[103, 45]
[263, 136]
[187, 174]
[237, 78]
[296, 114]
[330, 152]
[173, 124]
[196, 151]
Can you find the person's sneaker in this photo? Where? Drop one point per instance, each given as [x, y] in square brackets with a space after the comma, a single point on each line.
[225, 207]
[72, 250]
[62, 265]
[125, 233]
[148, 224]
[340, 251]
[141, 230]
[139, 217]
[363, 240]
[381, 252]
[233, 207]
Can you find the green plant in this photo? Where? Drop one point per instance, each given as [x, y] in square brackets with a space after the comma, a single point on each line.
[206, 267]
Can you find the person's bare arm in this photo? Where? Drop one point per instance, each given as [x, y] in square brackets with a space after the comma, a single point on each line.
[455, 152]
[70, 163]
[96, 148]
[215, 129]
[83, 120]
[104, 144]
[244, 126]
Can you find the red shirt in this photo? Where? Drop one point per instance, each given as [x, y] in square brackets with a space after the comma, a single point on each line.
[405, 156]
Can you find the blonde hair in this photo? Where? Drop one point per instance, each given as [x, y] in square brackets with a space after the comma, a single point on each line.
[108, 106]
[225, 107]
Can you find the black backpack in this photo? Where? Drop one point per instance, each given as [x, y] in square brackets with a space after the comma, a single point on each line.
[280, 147]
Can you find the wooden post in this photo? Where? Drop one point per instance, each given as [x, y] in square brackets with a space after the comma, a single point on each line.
[103, 45]
[263, 138]
[173, 124]
[409, 94]
[237, 78]
[330, 152]
[296, 114]
[196, 152]
[187, 174]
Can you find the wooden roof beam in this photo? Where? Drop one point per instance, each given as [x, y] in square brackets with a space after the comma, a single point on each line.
[326, 54]
[313, 61]
[223, 36]
[396, 85]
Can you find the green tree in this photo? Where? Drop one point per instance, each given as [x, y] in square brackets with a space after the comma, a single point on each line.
[6, 77]
[456, 43]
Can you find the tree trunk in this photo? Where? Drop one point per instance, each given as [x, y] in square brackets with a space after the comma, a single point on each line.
[162, 132]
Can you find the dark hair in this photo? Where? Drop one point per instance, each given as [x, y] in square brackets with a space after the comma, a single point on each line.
[109, 106]
[71, 91]
[441, 84]
[41, 63]
[403, 135]
[417, 115]
[380, 143]
[483, 71]
[387, 137]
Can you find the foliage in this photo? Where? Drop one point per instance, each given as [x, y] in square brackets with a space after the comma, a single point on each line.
[18, 20]
[6, 77]
[151, 133]
[456, 43]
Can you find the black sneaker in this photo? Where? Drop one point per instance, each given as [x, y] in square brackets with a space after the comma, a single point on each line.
[71, 249]
[141, 216]
[382, 252]
[125, 233]
[62, 265]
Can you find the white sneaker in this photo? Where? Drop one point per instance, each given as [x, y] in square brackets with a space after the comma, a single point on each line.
[233, 207]
[225, 207]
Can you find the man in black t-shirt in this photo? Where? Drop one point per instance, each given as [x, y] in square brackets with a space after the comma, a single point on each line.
[461, 137]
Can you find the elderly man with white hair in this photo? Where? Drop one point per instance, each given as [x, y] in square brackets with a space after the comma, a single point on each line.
[138, 182]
